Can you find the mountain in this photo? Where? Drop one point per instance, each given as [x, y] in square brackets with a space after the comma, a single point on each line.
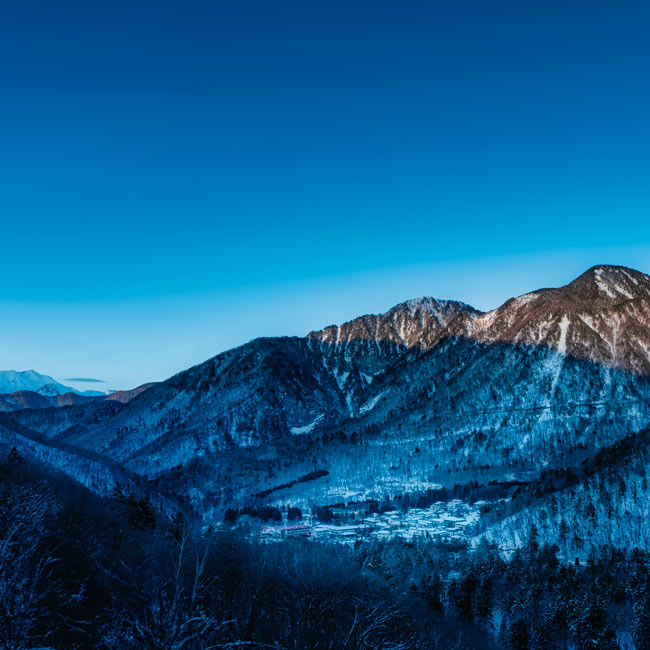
[604, 501]
[603, 316]
[430, 393]
[471, 459]
[374, 342]
[12, 381]
[125, 396]
[29, 399]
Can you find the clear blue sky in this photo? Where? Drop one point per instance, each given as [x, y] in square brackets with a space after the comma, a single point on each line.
[178, 177]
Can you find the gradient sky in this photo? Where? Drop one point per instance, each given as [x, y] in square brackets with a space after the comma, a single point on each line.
[179, 177]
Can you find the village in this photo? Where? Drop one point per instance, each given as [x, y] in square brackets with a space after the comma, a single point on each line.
[452, 522]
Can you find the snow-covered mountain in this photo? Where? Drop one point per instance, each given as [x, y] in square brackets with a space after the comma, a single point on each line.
[602, 316]
[374, 342]
[429, 393]
[13, 380]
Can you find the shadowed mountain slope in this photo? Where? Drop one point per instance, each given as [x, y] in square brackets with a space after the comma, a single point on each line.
[431, 392]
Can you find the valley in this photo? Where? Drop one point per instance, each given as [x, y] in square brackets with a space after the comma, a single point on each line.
[432, 393]
[462, 462]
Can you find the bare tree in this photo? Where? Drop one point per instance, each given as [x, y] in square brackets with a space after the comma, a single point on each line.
[25, 566]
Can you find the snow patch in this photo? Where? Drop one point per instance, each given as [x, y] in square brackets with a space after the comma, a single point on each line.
[564, 328]
[525, 299]
[631, 277]
[589, 322]
[307, 428]
[612, 289]
[341, 377]
[603, 285]
[370, 404]
[488, 319]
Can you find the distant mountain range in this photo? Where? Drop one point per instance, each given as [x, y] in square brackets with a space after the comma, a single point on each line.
[431, 393]
[27, 399]
[12, 381]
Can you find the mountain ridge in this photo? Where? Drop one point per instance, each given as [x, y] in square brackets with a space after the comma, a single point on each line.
[596, 302]
[28, 399]
[431, 392]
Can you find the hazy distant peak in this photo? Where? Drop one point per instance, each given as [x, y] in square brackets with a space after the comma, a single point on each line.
[12, 381]
[15, 380]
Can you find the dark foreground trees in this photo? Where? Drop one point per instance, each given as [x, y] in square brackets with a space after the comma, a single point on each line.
[79, 572]
[533, 601]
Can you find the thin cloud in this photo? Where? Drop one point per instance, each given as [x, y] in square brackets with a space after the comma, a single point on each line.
[87, 380]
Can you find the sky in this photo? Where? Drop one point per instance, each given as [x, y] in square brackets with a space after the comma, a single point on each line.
[177, 178]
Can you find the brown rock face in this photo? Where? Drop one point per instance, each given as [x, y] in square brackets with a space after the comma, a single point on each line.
[416, 323]
[603, 316]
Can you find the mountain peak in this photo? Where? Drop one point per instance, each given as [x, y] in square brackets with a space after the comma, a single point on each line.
[12, 381]
[420, 322]
[614, 269]
[435, 306]
[602, 316]
[611, 282]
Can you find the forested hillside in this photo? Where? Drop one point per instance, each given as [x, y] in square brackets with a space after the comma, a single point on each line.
[433, 477]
